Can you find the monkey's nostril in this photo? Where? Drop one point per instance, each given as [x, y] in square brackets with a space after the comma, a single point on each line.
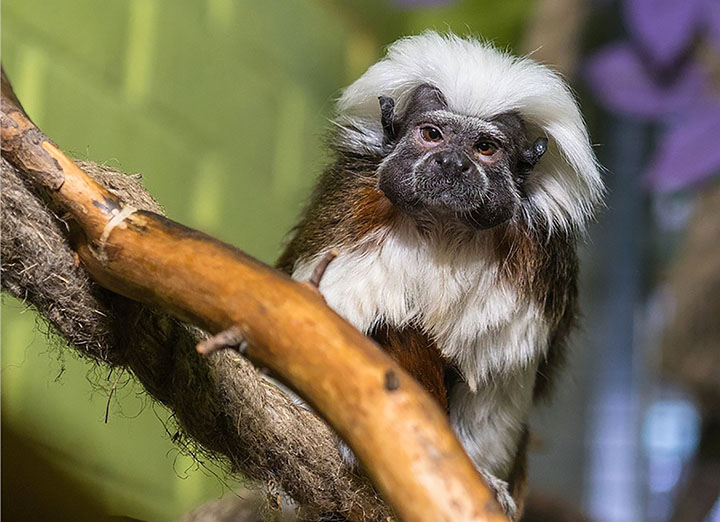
[454, 162]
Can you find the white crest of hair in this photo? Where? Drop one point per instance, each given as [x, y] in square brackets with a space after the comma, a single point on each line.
[479, 80]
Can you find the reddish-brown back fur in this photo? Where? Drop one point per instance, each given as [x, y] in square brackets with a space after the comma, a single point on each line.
[418, 355]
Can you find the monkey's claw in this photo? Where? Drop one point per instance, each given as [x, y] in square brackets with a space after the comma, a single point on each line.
[502, 494]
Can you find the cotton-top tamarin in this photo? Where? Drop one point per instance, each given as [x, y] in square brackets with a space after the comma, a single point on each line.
[462, 179]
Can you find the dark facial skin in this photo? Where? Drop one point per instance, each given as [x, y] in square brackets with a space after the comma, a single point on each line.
[454, 166]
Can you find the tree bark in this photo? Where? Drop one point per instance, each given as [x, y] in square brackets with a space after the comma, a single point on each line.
[398, 433]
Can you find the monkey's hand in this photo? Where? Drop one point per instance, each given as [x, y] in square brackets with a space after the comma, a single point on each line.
[502, 493]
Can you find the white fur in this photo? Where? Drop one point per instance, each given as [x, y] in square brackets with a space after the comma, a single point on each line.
[452, 290]
[448, 284]
[479, 80]
[490, 420]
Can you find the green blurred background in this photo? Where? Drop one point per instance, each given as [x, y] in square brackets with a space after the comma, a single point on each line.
[222, 106]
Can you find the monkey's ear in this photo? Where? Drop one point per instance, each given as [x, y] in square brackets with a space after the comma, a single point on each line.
[387, 118]
[530, 156]
[423, 98]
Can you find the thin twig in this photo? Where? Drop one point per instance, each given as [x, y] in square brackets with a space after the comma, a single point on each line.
[321, 267]
[232, 338]
[110, 395]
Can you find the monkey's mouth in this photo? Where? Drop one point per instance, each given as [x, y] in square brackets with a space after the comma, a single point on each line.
[473, 205]
[446, 189]
[449, 195]
[468, 199]
[447, 203]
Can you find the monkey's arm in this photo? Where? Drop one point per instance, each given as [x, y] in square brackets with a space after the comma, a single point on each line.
[561, 309]
[410, 347]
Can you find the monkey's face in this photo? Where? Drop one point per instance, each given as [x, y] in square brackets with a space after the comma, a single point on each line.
[454, 166]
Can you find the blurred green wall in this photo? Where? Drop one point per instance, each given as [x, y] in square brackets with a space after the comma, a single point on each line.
[222, 106]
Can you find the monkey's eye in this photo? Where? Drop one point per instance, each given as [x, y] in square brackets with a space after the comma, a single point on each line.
[486, 148]
[431, 134]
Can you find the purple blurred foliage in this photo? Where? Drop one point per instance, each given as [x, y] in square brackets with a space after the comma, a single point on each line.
[664, 28]
[712, 21]
[653, 77]
[687, 153]
[623, 83]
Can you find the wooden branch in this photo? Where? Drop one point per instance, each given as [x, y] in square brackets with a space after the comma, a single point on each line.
[222, 408]
[397, 432]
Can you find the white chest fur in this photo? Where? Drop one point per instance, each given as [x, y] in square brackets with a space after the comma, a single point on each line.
[452, 291]
[493, 335]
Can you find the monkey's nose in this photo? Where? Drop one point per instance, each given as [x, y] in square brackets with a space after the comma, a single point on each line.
[454, 162]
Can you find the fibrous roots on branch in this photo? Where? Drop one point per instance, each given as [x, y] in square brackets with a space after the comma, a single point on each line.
[221, 402]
